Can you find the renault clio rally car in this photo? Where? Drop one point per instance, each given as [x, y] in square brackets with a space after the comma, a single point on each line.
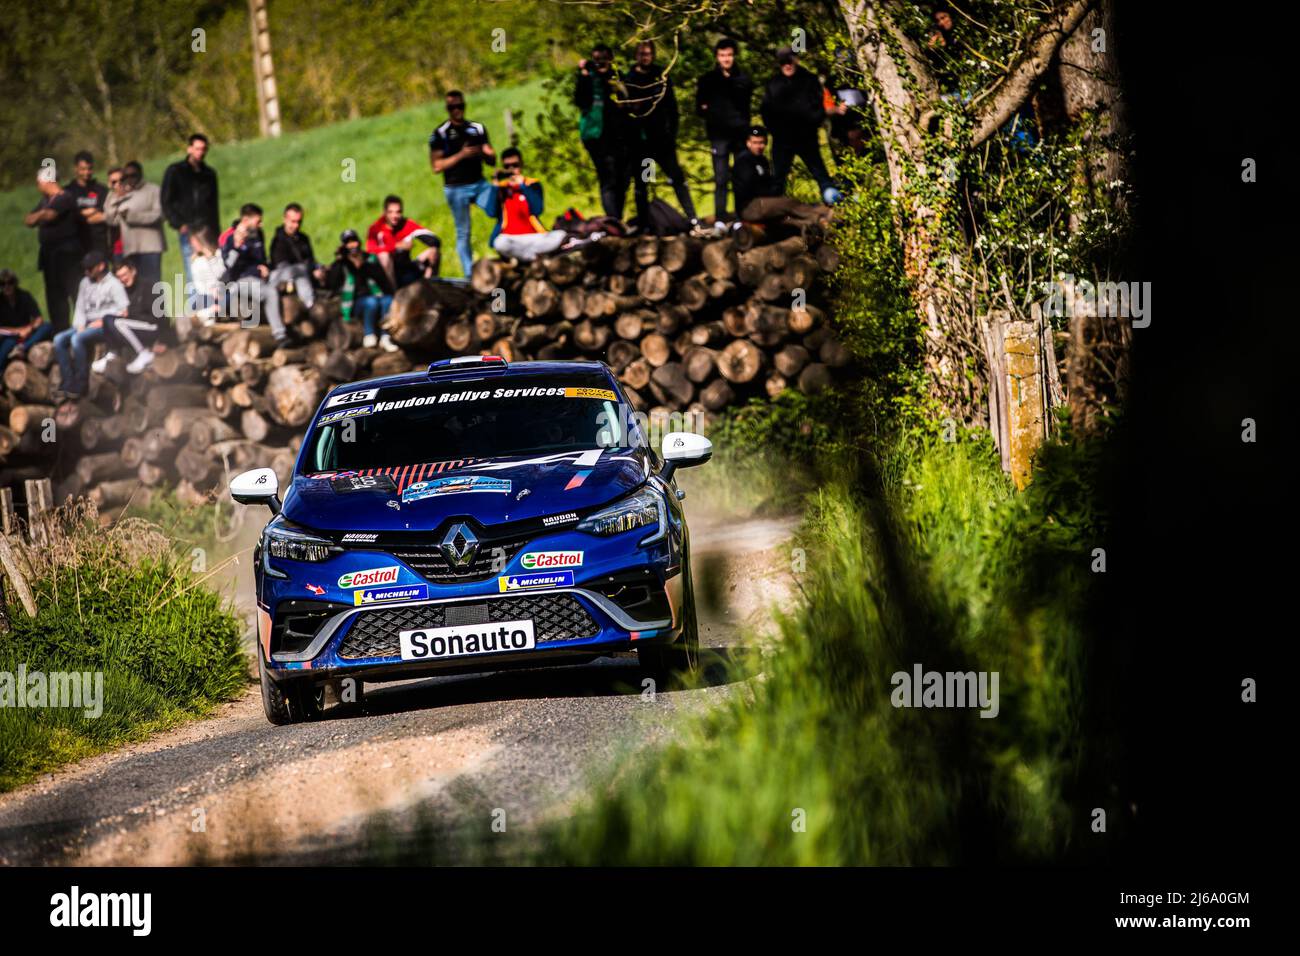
[476, 516]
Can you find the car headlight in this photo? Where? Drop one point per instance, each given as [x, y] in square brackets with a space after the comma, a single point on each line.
[642, 510]
[294, 545]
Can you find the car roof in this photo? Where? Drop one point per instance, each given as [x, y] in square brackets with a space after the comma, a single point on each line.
[512, 370]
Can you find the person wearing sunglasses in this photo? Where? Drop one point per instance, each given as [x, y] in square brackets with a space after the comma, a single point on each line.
[519, 233]
[21, 323]
[457, 149]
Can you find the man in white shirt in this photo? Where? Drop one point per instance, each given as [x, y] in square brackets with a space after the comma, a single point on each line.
[99, 296]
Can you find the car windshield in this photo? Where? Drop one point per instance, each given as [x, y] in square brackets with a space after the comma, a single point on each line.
[492, 417]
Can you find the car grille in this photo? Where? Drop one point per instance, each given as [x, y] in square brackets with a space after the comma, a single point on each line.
[428, 561]
[555, 617]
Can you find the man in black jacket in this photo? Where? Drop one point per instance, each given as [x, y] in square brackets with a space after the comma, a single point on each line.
[794, 109]
[652, 123]
[249, 291]
[189, 196]
[601, 128]
[292, 259]
[723, 97]
[753, 176]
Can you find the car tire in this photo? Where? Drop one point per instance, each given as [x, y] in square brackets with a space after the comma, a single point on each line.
[288, 704]
[668, 664]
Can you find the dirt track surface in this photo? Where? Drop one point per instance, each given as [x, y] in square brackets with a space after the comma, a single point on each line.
[445, 755]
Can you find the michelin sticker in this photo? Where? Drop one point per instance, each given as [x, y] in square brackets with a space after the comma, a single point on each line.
[415, 592]
[454, 485]
[533, 582]
[343, 413]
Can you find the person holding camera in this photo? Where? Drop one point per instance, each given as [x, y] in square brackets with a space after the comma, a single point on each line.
[364, 288]
[602, 127]
[519, 233]
[135, 207]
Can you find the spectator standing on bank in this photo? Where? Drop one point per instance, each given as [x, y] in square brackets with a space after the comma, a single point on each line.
[723, 97]
[457, 149]
[794, 110]
[519, 232]
[21, 324]
[58, 228]
[189, 196]
[99, 295]
[364, 289]
[90, 194]
[596, 94]
[652, 124]
[247, 276]
[136, 209]
[292, 259]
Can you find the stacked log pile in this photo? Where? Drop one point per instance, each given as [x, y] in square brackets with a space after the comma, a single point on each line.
[687, 325]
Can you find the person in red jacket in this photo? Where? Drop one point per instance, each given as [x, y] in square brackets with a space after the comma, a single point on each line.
[390, 238]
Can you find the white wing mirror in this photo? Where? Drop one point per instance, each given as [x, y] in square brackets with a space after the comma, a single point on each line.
[684, 450]
[257, 487]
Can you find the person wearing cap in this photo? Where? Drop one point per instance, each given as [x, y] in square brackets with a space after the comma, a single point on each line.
[100, 295]
[21, 324]
[793, 109]
[364, 289]
[58, 225]
[752, 176]
[723, 97]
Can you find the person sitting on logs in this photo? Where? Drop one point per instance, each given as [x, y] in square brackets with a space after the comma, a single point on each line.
[135, 328]
[364, 288]
[519, 233]
[390, 238]
[759, 196]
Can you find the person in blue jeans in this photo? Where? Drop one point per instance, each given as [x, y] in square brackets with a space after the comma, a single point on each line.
[21, 322]
[100, 295]
[364, 289]
[457, 149]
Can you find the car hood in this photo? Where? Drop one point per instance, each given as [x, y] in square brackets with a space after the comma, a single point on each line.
[492, 491]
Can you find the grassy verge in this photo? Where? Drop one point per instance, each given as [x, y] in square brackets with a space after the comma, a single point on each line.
[924, 556]
[122, 603]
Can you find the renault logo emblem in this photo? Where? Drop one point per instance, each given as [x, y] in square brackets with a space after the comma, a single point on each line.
[460, 545]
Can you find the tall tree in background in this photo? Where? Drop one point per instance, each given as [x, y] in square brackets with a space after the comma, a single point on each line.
[925, 138]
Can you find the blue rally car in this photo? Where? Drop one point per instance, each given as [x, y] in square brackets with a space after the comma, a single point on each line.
[478, 516]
